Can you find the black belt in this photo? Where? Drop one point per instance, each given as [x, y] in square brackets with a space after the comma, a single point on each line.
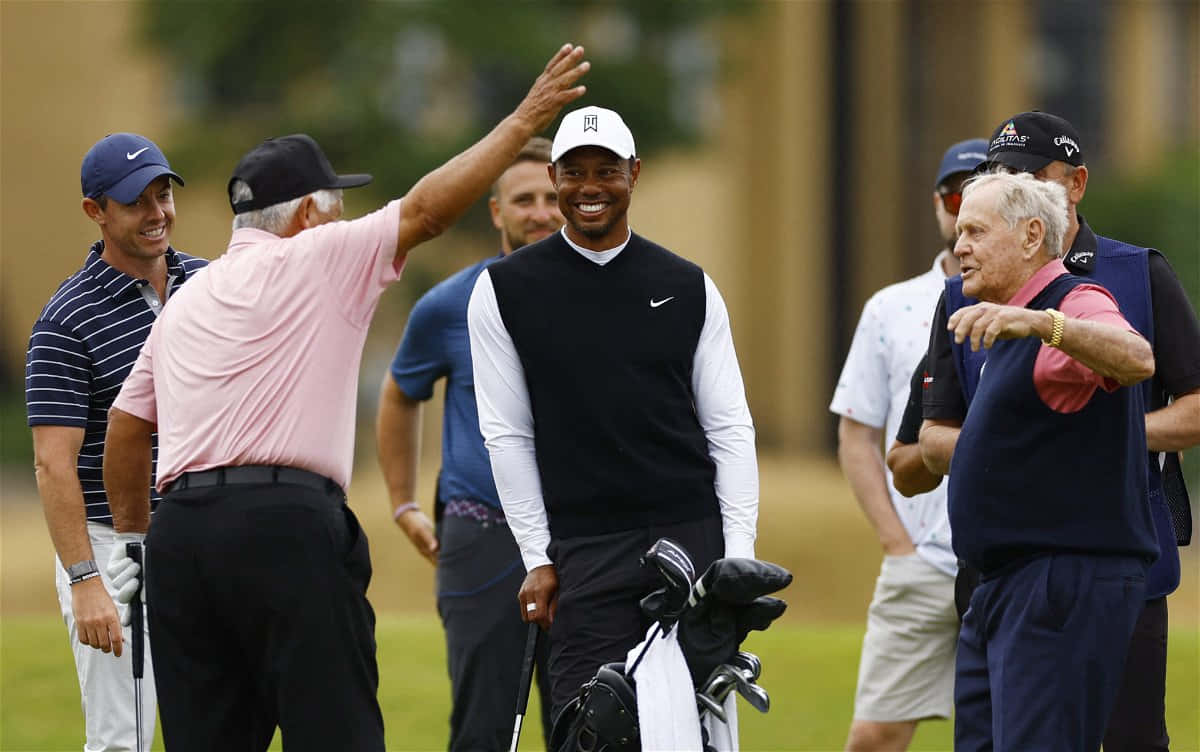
[243, 475]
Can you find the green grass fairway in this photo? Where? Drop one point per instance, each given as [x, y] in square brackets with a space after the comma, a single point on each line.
[808, 669]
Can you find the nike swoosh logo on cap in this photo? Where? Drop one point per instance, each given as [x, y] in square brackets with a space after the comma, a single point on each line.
[134, 155]
[656, 303]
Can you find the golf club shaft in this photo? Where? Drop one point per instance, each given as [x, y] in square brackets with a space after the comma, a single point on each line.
[137, 638]
[526, 682]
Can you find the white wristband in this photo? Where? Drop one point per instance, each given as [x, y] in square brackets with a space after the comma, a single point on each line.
[407, 506]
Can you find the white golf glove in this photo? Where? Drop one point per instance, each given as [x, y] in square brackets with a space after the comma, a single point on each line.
[123, 572]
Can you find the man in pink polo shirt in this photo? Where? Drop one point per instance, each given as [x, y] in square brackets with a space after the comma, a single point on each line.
[257, 570]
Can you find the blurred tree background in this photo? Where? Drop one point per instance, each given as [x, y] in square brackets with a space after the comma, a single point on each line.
[396, 88]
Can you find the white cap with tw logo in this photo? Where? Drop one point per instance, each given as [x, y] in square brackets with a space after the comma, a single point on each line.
[592, 126]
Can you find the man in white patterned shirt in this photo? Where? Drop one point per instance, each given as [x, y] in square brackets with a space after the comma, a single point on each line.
[906, 672]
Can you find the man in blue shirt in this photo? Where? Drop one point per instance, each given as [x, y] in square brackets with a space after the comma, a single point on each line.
[83, 344]
[478, 565]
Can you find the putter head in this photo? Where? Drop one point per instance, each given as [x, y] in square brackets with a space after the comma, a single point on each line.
[674, 565]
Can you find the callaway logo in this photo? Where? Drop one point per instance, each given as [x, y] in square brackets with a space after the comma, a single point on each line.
[1069, 146]
[656, 303]
[591, 123]
[1081, 257]
[135, 154]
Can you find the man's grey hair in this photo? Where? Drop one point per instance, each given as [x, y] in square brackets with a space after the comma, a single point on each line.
[1022, 196]
[276, 218]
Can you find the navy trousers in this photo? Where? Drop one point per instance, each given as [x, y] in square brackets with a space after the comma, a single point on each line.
[1041, 653]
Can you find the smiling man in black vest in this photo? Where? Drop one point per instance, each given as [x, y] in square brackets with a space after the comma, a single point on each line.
[612, 406]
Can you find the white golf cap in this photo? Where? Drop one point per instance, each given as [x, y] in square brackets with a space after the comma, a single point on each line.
[593, 126]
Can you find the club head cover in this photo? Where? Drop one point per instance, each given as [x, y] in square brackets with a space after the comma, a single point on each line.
[740, 580]
[758, 615]
[674, 565]
[708, 637]
[654, 604]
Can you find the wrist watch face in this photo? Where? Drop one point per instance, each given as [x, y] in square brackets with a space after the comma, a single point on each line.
[82, 568]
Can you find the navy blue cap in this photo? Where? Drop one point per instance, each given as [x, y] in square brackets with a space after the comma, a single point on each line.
[964, 156]
[121, 165]
[1031, 140]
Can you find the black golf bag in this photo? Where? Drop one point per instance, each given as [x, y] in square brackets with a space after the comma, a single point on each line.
[716, 613]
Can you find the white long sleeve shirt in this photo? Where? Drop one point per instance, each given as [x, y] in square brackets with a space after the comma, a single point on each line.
[506, 420]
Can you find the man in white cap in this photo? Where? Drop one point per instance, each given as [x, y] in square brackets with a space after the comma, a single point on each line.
[612, 407]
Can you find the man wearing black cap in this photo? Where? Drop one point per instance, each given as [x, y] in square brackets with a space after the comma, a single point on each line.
[1152, 298]
[258, 570]
[906, 673]
[84, 343]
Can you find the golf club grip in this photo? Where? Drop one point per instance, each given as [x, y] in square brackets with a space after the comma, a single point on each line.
[527, 668]
[137, 632]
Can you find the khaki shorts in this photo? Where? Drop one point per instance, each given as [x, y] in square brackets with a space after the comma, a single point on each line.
[907, 667]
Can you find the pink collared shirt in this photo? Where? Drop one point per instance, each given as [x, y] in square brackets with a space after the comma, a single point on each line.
[255, 361]
[1064, 384]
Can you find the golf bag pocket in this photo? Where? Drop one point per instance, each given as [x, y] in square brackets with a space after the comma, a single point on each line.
[602, 718]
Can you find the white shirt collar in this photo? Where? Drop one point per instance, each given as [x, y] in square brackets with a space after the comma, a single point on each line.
[597, 257]
[938, 267]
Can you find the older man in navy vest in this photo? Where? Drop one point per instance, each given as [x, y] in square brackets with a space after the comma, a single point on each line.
[1063, 541]
[1152, 298]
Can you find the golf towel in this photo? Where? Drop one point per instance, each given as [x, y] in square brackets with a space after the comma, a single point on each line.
[666, 698]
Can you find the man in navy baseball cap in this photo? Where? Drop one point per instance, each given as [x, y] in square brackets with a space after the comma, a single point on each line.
[962, 157]
[121, 165]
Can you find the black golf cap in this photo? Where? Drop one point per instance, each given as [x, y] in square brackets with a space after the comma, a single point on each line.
[1031, 140]
[281, 169]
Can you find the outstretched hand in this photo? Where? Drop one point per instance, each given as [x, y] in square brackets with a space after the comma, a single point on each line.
[554, 87]
[984, 323]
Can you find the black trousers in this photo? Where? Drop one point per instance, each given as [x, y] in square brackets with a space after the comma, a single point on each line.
[1138, 721]
[259, 618]
[600, 584]
[479, 572]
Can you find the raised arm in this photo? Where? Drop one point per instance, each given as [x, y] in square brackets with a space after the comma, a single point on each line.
[439, 198]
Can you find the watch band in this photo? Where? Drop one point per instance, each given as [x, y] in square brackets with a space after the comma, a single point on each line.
[1056, 328]
[82, 570]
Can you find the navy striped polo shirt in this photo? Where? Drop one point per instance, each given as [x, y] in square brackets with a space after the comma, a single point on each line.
[84, 344]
